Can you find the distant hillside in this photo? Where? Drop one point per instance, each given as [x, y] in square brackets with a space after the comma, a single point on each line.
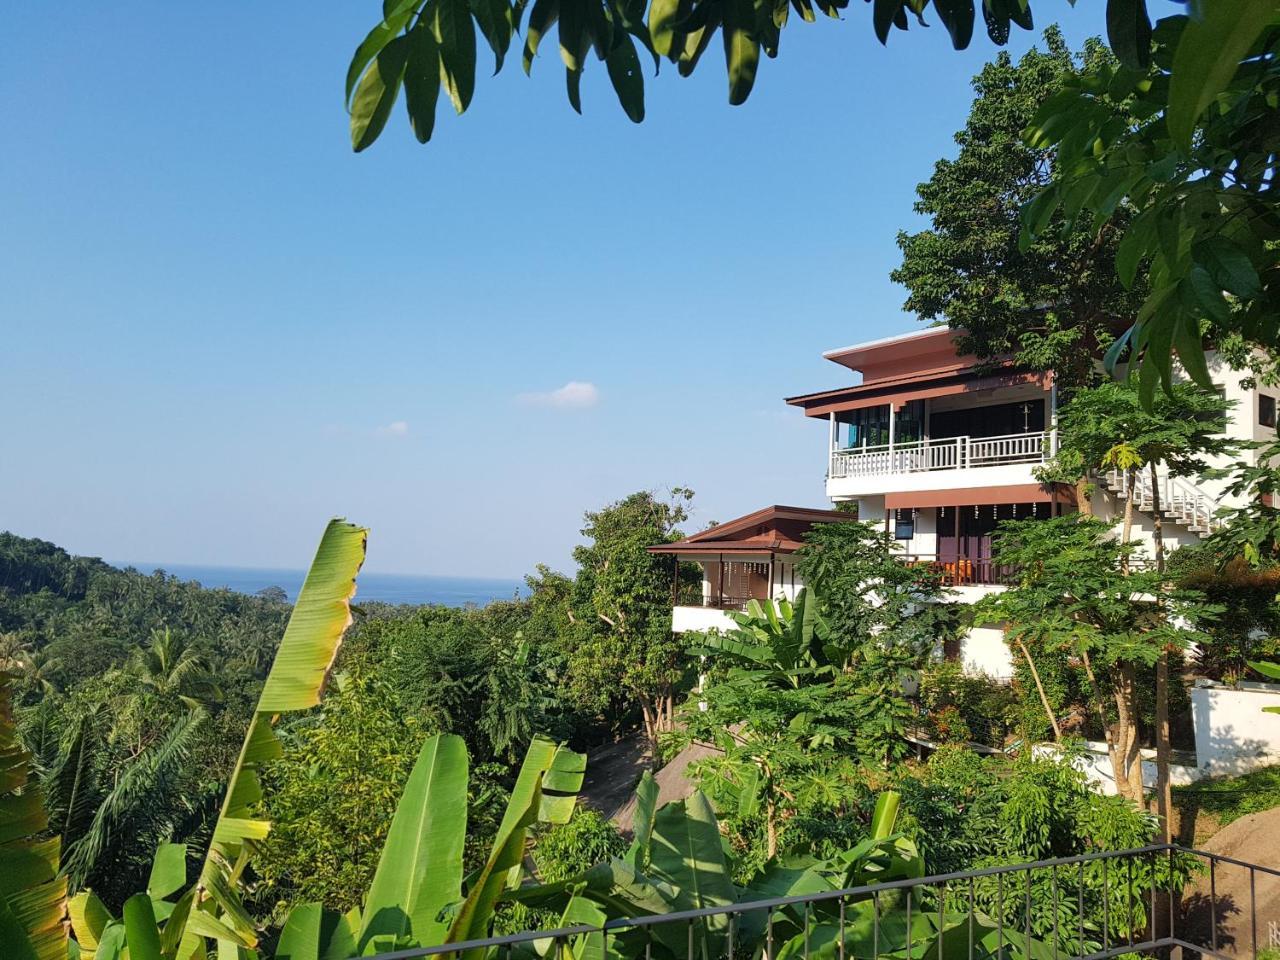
[79, 616]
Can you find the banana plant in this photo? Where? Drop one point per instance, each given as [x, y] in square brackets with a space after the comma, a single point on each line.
[678, 862]
[212, 908]
[778, 642]
[152, 927]
[33, 896]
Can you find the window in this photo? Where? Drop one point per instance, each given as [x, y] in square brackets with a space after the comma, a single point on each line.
[904, 524]
[1266, 410]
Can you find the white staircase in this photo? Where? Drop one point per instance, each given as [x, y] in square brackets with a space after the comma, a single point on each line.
[1181, 500]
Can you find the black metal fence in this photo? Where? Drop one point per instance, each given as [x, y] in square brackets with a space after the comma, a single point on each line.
[1161, 899]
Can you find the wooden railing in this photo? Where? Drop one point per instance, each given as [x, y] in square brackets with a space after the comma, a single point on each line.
[953, 453]
[964, 571]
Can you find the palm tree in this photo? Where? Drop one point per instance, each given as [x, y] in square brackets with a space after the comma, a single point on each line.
[170, 668]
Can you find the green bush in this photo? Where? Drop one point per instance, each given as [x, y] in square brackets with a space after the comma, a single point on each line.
[568, 849]
[959, 707]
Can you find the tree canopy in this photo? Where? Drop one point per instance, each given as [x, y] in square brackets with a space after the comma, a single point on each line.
[1051, 304]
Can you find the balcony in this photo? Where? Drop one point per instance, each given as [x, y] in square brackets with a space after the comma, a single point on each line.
[949, 462]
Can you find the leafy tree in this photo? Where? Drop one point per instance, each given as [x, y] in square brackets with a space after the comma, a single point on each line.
[1052, 304]
[872, 602]
[1109, 426]
[790, 711]
[333, 793]
[1075, 595]
[620, 654]
[1182, 158]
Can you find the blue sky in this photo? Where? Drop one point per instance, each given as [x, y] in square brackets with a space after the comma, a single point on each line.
[221, 327]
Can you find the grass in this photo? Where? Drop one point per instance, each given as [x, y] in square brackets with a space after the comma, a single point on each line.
[1230, 798]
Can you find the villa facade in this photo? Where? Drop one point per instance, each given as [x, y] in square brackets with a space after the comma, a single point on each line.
[940, 449]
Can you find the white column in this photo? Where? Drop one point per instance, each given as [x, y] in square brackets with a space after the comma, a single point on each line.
[892, 427]
[1053, 415]
[831, 433]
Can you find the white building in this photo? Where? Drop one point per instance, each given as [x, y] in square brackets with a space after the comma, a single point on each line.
[940, 449]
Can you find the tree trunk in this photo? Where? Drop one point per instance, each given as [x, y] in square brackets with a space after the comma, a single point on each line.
[1044, 699]
[1164, 793]
[1083, 501]
[1127, 735]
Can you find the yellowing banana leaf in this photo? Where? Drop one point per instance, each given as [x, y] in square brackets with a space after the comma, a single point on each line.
[33, 898]
[89, 919]
[296, 682]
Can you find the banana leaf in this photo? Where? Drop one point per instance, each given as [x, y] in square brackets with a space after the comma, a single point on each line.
[420, 870]
[33, 897]
[545, 790]
[296, 682]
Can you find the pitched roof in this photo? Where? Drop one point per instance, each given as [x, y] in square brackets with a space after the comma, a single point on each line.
[775, 529]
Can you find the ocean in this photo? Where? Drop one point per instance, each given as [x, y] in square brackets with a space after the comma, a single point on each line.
[381, 587]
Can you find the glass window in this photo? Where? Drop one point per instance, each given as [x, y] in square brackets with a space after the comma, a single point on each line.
[904, 524]
[1266, 410]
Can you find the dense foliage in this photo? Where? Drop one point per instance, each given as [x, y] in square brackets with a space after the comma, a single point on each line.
[1051, 304]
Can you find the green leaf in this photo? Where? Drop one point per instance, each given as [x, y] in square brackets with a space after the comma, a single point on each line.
[1208, 55]
[886, 814]
[472, 918]
[623, 64]
[1129, 32]
[420, 869]
[422, 81]
[642, 821]
[392, 23]
[376, 94]
[168, 870]
[456, 36]
[1036, 215]
[741, 48]
[883, 14]
[1190, 346]
[1134, 246]
[1229, 266]
[140, 930]
[296, 681]
[663, 17]
[89, 918]
[311, 932]
[494, 17]
[541, 18]
[1269, 670]
[14, 936]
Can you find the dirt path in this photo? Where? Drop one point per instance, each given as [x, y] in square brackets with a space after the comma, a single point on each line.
[613, 772]
[1225, 902]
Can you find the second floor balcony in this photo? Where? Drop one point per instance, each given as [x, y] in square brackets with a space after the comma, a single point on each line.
[948, 453]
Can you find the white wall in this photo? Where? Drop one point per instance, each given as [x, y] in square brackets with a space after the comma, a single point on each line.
[983, 650]
[698, 619]
[846, 488]
[1096, 765]
[1233, 735]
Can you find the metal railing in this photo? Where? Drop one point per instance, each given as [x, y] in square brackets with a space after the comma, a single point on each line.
[1086, 907]
[1181, 500]
[952, 453]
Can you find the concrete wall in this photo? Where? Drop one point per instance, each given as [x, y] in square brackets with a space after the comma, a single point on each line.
[698, 619]
[983, 650]
[1233, 735]
[1096, 765]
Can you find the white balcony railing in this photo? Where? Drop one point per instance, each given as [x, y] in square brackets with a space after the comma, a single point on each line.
[953, 453]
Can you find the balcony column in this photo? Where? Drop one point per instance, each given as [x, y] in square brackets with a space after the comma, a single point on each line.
[893, 423]
[831, 433]
[1053, 415]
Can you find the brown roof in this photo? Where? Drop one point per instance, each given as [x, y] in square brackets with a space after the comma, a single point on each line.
[917, 386]
[775, 529]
